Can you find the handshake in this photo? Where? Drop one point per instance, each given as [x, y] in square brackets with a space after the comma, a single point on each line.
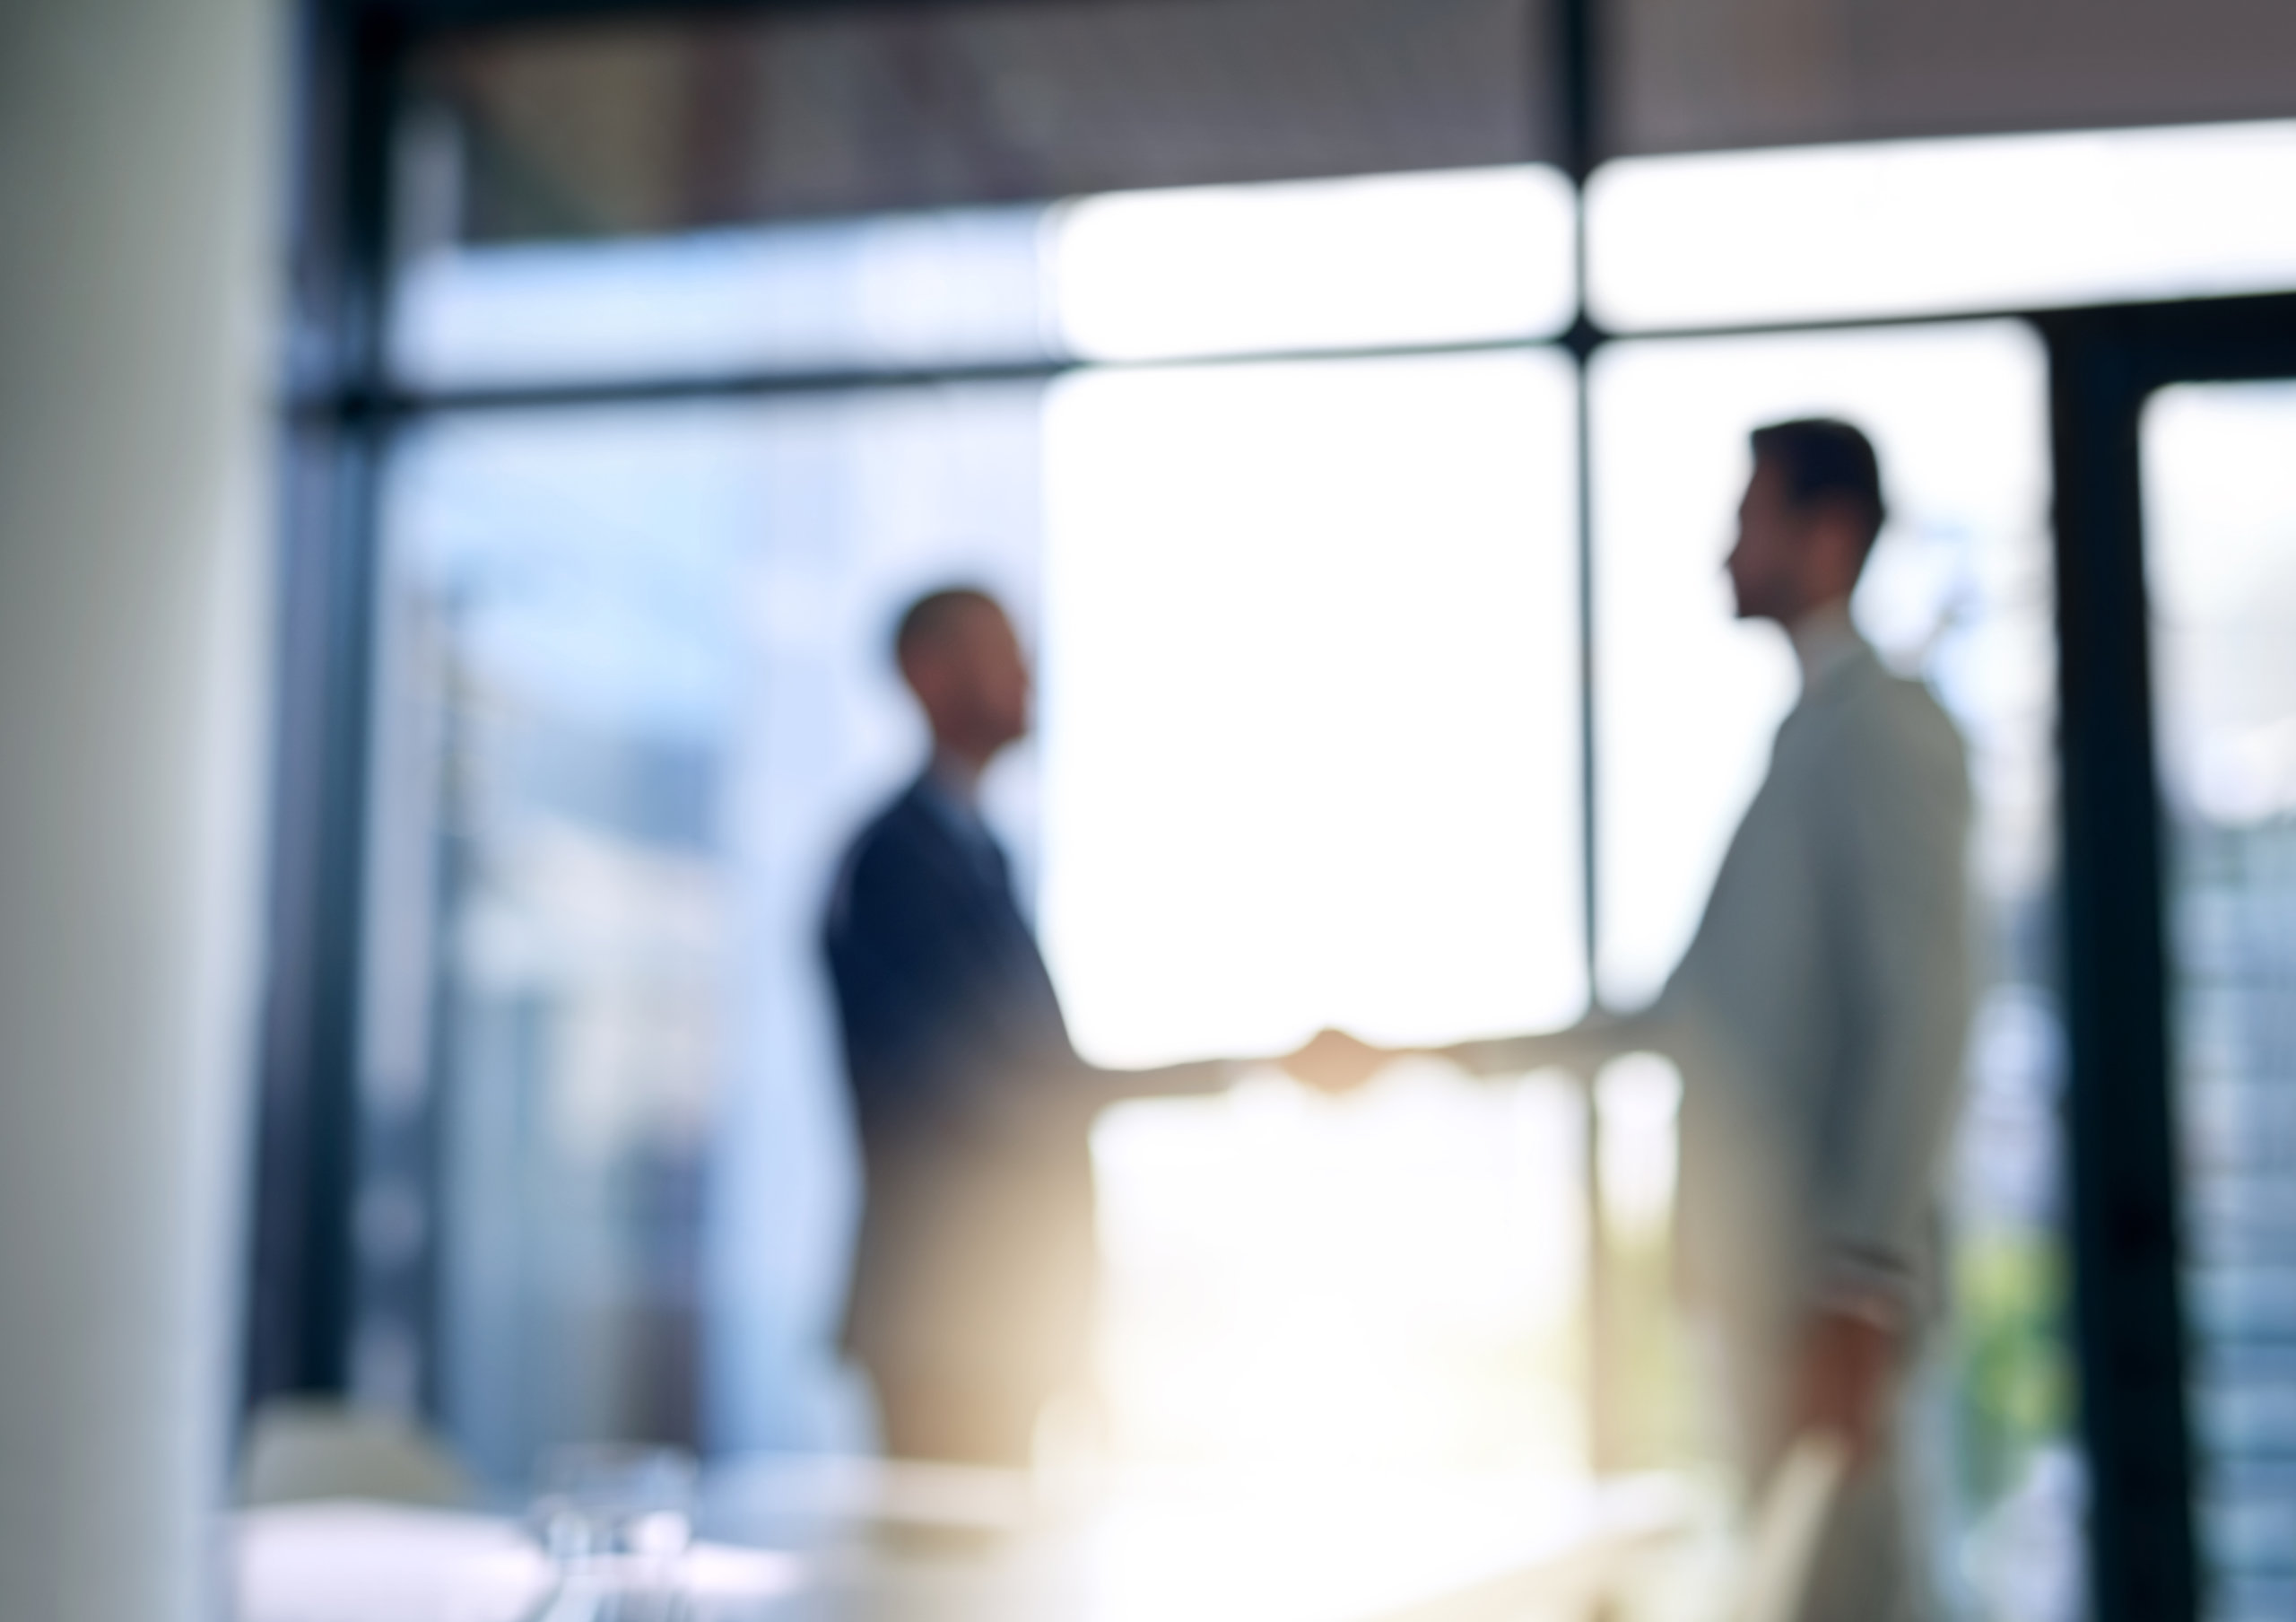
[1336, 1062]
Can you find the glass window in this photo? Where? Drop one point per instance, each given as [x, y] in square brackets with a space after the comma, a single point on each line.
[1473, 256]
[1310, 754]
[905, 291]
[1917, 227]
[2219, 471]
[1311, 757]
[1463, 256]
[1311, 724]
[1394, 1284]
[637, 663]
[1309, 639]
[1959, 590]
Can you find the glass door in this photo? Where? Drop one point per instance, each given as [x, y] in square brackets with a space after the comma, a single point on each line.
[2219, 469]
[2176, 565]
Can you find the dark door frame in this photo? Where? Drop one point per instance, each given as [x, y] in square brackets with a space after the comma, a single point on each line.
[2120, 1122]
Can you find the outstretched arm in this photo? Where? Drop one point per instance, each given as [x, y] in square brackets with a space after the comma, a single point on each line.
[1192, 1079]
[1598, 1037]
[1334, 1061]
[1330, 1061]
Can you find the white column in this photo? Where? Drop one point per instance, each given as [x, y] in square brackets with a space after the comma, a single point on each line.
[137, 241]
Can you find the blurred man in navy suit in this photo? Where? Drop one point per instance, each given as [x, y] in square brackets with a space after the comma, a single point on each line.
[974, 1278]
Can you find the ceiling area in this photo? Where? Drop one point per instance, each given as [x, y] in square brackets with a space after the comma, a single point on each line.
[642, 122]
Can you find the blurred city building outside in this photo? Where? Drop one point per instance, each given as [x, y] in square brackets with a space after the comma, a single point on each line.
[632, 691]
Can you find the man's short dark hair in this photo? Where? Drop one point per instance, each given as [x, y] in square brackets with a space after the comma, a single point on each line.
[1825, 459]
[928, 619]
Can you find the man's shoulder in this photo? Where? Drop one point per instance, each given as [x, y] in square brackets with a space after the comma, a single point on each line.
[886, 850]
[1894, 733]
[1871, 698]
[1877, 719]
[1913, 715]
[898, 824]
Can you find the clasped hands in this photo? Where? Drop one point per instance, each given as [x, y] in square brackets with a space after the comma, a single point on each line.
[1337, 1062]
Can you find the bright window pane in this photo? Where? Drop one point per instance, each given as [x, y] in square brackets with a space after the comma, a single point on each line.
[1311, 756]
[1883, 228]
[2219, 468]
[1395, 1283]
[896, 291]
[1428, 258]
[1450, 257]
[1960, 591]
[1311, 738]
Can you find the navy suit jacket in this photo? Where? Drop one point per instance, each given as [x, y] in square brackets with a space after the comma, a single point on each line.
[976, 1259]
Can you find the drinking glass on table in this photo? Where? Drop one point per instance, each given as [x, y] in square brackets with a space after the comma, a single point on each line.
[615, 1521]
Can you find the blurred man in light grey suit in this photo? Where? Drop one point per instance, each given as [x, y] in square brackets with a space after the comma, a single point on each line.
[1818, 1019]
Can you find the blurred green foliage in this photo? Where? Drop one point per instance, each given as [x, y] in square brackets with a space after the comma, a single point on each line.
[2012, 1386]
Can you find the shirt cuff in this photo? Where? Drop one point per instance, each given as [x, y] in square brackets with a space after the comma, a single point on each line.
[1869, 1284]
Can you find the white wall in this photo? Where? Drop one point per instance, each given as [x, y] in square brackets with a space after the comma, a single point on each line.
[135, 246]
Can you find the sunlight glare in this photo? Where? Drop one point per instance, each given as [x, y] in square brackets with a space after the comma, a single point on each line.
[1463, 256]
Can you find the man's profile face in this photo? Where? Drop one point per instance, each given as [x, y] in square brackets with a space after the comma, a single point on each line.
[1769, 565]
[974, 681]
[1000, 674]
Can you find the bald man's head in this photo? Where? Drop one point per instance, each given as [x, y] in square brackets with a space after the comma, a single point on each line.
[957, 652]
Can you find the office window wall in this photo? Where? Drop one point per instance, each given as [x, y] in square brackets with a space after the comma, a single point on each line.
[1309, 754]
[1283, 481]
[638, 694]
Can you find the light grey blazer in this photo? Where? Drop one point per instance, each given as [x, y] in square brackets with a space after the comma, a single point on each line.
[1819, 1014]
